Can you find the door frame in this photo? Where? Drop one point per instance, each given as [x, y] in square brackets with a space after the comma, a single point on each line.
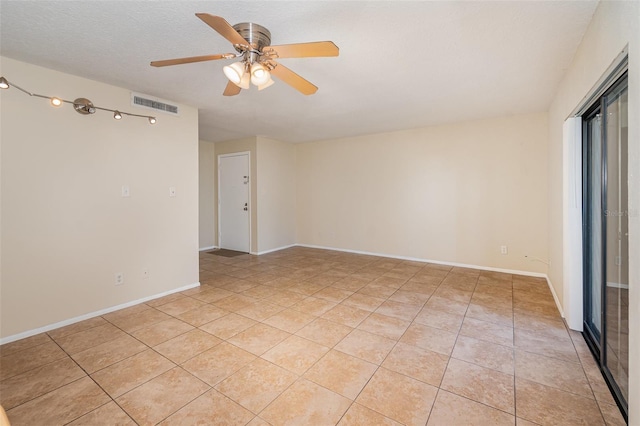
[219, 201]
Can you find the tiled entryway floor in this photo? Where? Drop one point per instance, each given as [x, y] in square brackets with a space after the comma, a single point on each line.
[313, 337]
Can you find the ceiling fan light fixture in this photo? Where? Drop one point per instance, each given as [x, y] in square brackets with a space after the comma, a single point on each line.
[234, 72]
[259, 74]
[267, 84]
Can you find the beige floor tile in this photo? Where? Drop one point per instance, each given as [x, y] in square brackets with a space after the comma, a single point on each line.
[295, 354]
[228, 325]
[439, 319]
[426, 285]
[377, 290]
[89, 338]
[549, 406]
[76, 327]
[399, 310]
[26, 343]
[256, 384]
[122, 313]
[285, 298]
[186, 346]
[218, 363]
[545, 343]
[450, 409]
[523, 422]
[611, 414]
[257, 421]
[391, 281]
[143, 319]
[409, 297]
[261, 310]
[34, 383]
[398, 397]
[351, 283]
[211, 409]
[383, 325]
[212, 295]
[60, 406]
[289, 320]
[333, 294]
[202, 315]
[364, 302]
[421, 364]
[125, 375]
[161, 331]
[260, 291]
[305, 403]
[107, 415]
[430, 338]
[35, 356]
[480, 384]
[367, 346]
[485, 354]
[313, 306]
[497, 315]
[359, 415]
[487, 331]
[341, 373]
[162, 396]
[165, 299]
[101, 356]
[438, 303]
[324, 332]
[563, 375]
[235, 302]
[346, 315]
[259, 338]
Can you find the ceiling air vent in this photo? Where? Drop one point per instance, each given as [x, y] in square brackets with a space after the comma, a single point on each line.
[155, 104]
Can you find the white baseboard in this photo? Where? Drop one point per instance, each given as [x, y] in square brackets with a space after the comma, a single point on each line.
[74, 320]
[275, 249]
[208, 248]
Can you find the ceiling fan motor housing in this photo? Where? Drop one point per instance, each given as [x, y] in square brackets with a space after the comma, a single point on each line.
[256, 35]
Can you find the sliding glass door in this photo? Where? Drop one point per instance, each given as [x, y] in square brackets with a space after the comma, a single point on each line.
[606, 236]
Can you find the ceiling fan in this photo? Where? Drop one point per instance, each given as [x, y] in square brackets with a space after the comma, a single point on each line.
[252, 43]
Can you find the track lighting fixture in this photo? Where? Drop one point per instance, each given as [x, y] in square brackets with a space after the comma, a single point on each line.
[81, 105]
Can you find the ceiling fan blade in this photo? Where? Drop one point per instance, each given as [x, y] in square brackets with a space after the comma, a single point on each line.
[293, 79]
[223, 27]
[304, 50]
[231, 89]
[179, 61]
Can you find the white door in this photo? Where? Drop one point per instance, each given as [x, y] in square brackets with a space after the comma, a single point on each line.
[233, 202]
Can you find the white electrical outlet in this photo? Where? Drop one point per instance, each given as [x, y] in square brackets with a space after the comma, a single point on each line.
[119, 278]
[172, 191]
[125, 191]
[145, 273]
[504, 250]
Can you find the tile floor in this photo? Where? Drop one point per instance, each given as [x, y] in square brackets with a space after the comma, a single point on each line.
[312, 337]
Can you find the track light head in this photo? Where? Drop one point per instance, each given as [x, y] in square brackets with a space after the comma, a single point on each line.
[56, 102]
[83, 106]
[4, 84]
[152, 120]
[117, 115]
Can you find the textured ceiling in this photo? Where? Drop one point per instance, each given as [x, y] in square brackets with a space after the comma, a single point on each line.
[401, 65]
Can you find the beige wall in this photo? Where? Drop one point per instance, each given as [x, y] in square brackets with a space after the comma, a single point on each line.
[243, 145]
[276, 181]
[66, 231]
[207, 206]
[452, 193]
[614, 25]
